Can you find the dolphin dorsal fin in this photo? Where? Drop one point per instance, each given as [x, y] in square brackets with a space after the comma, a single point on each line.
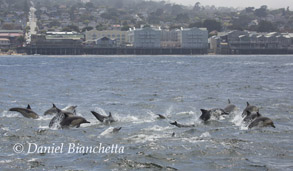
[65, 115]
[247, 103]
[203, 110]
[110, 114]
[28, 107]
[54, 105]
[258, 114]
[229, 102]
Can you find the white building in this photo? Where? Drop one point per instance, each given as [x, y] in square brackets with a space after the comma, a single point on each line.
[194, 38]
[145, 37]
[170, 39]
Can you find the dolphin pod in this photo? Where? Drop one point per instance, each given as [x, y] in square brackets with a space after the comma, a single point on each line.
[253, 118]
[66, 118]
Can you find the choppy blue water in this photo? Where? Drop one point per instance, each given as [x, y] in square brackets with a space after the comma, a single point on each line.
[136, 88]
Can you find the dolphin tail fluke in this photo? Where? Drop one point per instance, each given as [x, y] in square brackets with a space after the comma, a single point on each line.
[98, 116]
[174, 123]
[14, 109]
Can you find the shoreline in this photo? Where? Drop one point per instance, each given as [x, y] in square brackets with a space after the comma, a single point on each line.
[132, 55]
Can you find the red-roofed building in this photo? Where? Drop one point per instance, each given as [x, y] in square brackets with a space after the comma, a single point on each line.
[12, 36]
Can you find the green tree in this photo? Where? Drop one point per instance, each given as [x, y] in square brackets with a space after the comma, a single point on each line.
[249, 9]
[88, 28]
[27, 29]
[101, 27]
[8, 26]
[261, 12]
[182, 18]
[71, 28]
[266, 26]
[125, 28]
[212, 25]
[196, 6]
[20, 39]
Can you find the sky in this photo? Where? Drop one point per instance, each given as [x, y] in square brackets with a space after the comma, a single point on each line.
[272, 4]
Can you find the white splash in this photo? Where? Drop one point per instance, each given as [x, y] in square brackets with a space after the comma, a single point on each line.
[107, 131]
[205, 134]
[10, 114]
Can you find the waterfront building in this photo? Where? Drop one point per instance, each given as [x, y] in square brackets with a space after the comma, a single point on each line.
[145, 37]
[4, 43]
[10, 37]
[170, 39]
[120, 37]
[245, 42]
[196, 38]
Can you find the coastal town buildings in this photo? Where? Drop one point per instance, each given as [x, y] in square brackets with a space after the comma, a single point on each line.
[194, 38]
[145, 37]
[10, 38]
[120, 37]
[245, 42]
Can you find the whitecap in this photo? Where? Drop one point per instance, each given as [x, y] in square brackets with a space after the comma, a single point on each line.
[205, 134]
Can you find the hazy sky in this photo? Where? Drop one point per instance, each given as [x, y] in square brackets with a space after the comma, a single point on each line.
[272, 4]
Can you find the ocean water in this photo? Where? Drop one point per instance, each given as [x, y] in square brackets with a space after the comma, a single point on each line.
[134, 89]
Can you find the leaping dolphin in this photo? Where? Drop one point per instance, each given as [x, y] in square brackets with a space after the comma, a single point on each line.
[261, 122]
[161, 116]
[250, 108]
[72, 121]
[26, 112]
[230, 107]
[58, 118]
[250, 117]
[181, 125]
[53, 110]
[102, 118]
[208, 114]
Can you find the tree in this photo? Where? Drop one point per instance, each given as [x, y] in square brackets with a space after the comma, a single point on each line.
[8, 26]
[196, 24]
[266, 26]
[241, 23]
[20, 39]
[125, 28]
[101, 27]
[196, 6]
[261, 12]
[182, 18]
[212, 25]
[27, 29]
[71, 28]
[86, 22]
[249, 9]
[54, 23]
[88, 28]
